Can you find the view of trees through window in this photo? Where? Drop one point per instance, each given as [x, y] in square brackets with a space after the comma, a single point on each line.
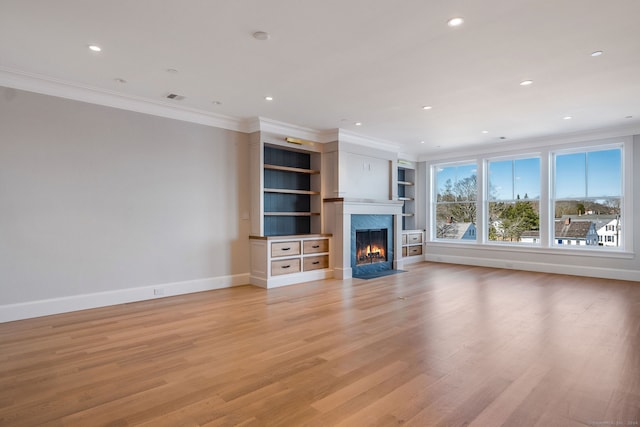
[514, 200]
[456, 208]
[586, 198]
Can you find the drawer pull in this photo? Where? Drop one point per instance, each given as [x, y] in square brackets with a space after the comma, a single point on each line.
[285, 249]
[285, 266]
[315, 262]
[315, 246]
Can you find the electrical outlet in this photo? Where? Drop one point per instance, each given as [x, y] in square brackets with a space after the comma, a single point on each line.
[158, 291]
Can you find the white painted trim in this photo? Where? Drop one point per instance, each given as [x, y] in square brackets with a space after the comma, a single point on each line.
[367, 141]
[291, 279]
[516, 146]
[343, 273]
[55, 87]
[30, 309]
[539, 267]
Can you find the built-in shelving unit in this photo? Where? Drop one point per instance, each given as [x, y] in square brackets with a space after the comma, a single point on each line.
[286, 242]
[412, 238]
[291, 191]
[406, 193]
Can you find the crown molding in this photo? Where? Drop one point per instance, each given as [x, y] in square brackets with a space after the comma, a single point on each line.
[367, 141]
[264, 124]
[535, 143]
[55, 87]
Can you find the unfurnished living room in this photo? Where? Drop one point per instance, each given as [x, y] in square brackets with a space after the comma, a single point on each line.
[293, 213]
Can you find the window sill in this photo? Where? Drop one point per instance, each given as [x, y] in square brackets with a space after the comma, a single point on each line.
[493, 247]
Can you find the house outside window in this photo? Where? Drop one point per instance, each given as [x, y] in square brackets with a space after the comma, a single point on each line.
[580, 193]
[455, 202]
[513, 208]
[588, 192]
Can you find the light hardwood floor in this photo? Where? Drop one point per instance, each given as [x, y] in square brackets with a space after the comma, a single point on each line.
[440, 345]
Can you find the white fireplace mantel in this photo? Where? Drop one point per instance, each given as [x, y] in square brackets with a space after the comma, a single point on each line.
[338, 213]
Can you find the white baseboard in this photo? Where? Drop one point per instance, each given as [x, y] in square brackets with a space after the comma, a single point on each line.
[30, 309]
[291, 279]
[573, 270]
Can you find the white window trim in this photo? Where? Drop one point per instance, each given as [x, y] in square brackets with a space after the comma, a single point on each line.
[546, 245]
[434, 191]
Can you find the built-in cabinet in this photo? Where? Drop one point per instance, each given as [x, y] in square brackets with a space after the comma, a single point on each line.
[291, 193]
[412, 238]
[287, 243]
[412, 243]
[285, 260]
[407, 194]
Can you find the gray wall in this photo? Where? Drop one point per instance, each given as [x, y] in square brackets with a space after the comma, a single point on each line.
[96, 199]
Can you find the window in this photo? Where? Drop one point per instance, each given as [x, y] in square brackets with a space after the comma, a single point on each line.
[513, 208]
[456, 189]
[574, 197]
[588, 195]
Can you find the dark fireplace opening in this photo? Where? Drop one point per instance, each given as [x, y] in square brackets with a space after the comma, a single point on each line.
[371, 246]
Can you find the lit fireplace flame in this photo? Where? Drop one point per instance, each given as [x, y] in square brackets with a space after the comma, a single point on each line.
[372, 254]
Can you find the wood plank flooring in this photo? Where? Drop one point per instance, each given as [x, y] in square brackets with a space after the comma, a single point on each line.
[439, 345]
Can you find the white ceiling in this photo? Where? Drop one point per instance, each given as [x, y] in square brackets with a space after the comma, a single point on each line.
[331, 63]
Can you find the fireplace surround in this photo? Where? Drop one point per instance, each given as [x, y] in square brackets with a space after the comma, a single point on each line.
[344, 216]
[372, 244]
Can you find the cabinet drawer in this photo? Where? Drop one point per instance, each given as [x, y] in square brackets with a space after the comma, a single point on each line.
[285, 266]
[415, 250]
[414, 238]
[404, 251]
[315, 246]
[404, 239]
[316, 262]
[285, 249]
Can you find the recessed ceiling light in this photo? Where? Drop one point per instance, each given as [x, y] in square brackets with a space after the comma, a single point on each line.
[427, 107]
[567, 118]
[526, 82]
[94, 48]
[455, 22]
[503, 137]
[172, 71]
[261, 35]
[485, 131]
[629, 117]
[119, 80]
[358, 123]
[597, 53]
[421, 142]
[268, 98]
[216, 102]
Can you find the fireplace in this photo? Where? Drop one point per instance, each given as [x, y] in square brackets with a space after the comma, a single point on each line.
[371, 246]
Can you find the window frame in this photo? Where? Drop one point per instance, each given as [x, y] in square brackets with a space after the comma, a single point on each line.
[487, 200]
[434, 201]
[546, 242]
[625, 212]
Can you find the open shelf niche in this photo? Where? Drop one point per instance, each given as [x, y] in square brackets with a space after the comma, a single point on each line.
[291, 193]
[412, 238]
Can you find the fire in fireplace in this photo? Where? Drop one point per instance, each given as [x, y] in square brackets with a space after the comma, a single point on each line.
[371, 246]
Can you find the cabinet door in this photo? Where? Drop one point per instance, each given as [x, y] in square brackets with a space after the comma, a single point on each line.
[415, 250]
[414, 238]
[316, 246]
[316, 262]
[279, 249]
[285, 266]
